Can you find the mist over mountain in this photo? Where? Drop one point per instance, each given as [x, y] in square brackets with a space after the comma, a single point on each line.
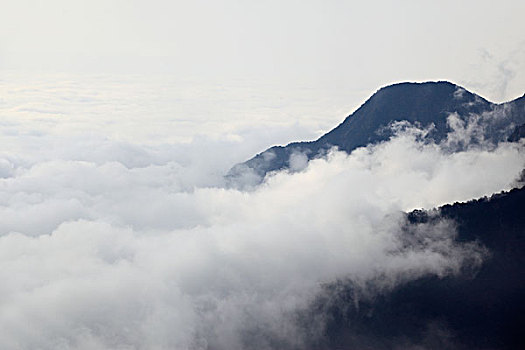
[441, 107]
[479, 308]
[481, 305]
[517, 134]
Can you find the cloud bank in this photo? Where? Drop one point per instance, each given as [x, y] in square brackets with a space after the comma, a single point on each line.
[111, 244]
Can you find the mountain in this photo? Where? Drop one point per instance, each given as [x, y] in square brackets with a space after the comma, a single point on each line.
[483, 308]
[424, 104]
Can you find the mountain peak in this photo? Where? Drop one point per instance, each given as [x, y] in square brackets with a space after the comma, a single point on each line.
[421, 103]
[439, 83]
[425, 90]
[424, 103]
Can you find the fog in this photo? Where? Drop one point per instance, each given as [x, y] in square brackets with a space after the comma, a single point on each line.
[111, 242]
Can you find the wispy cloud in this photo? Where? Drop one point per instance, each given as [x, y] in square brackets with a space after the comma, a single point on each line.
[117, 245]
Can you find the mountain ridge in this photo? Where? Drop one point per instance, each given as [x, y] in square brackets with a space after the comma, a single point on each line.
[427, 104]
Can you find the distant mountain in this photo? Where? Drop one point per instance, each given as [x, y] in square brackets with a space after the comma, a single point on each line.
[426, 104]
[479, 309]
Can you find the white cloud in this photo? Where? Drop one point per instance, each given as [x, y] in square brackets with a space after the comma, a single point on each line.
[99, 254]
[115, 242]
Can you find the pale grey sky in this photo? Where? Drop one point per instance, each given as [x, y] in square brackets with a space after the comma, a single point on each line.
[346, 44]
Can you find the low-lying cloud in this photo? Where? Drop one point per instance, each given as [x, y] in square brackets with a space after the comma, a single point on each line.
[124, 246]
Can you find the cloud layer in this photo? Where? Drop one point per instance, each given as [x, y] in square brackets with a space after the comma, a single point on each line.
[111, 244]
[118, 230]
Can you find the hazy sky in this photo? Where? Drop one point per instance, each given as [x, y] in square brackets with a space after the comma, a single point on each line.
[345, 44]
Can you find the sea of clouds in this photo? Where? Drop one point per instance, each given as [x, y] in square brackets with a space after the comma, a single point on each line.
[111, 242]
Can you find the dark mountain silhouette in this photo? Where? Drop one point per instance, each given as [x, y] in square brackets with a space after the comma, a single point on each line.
[424, 104]
[481, 308]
